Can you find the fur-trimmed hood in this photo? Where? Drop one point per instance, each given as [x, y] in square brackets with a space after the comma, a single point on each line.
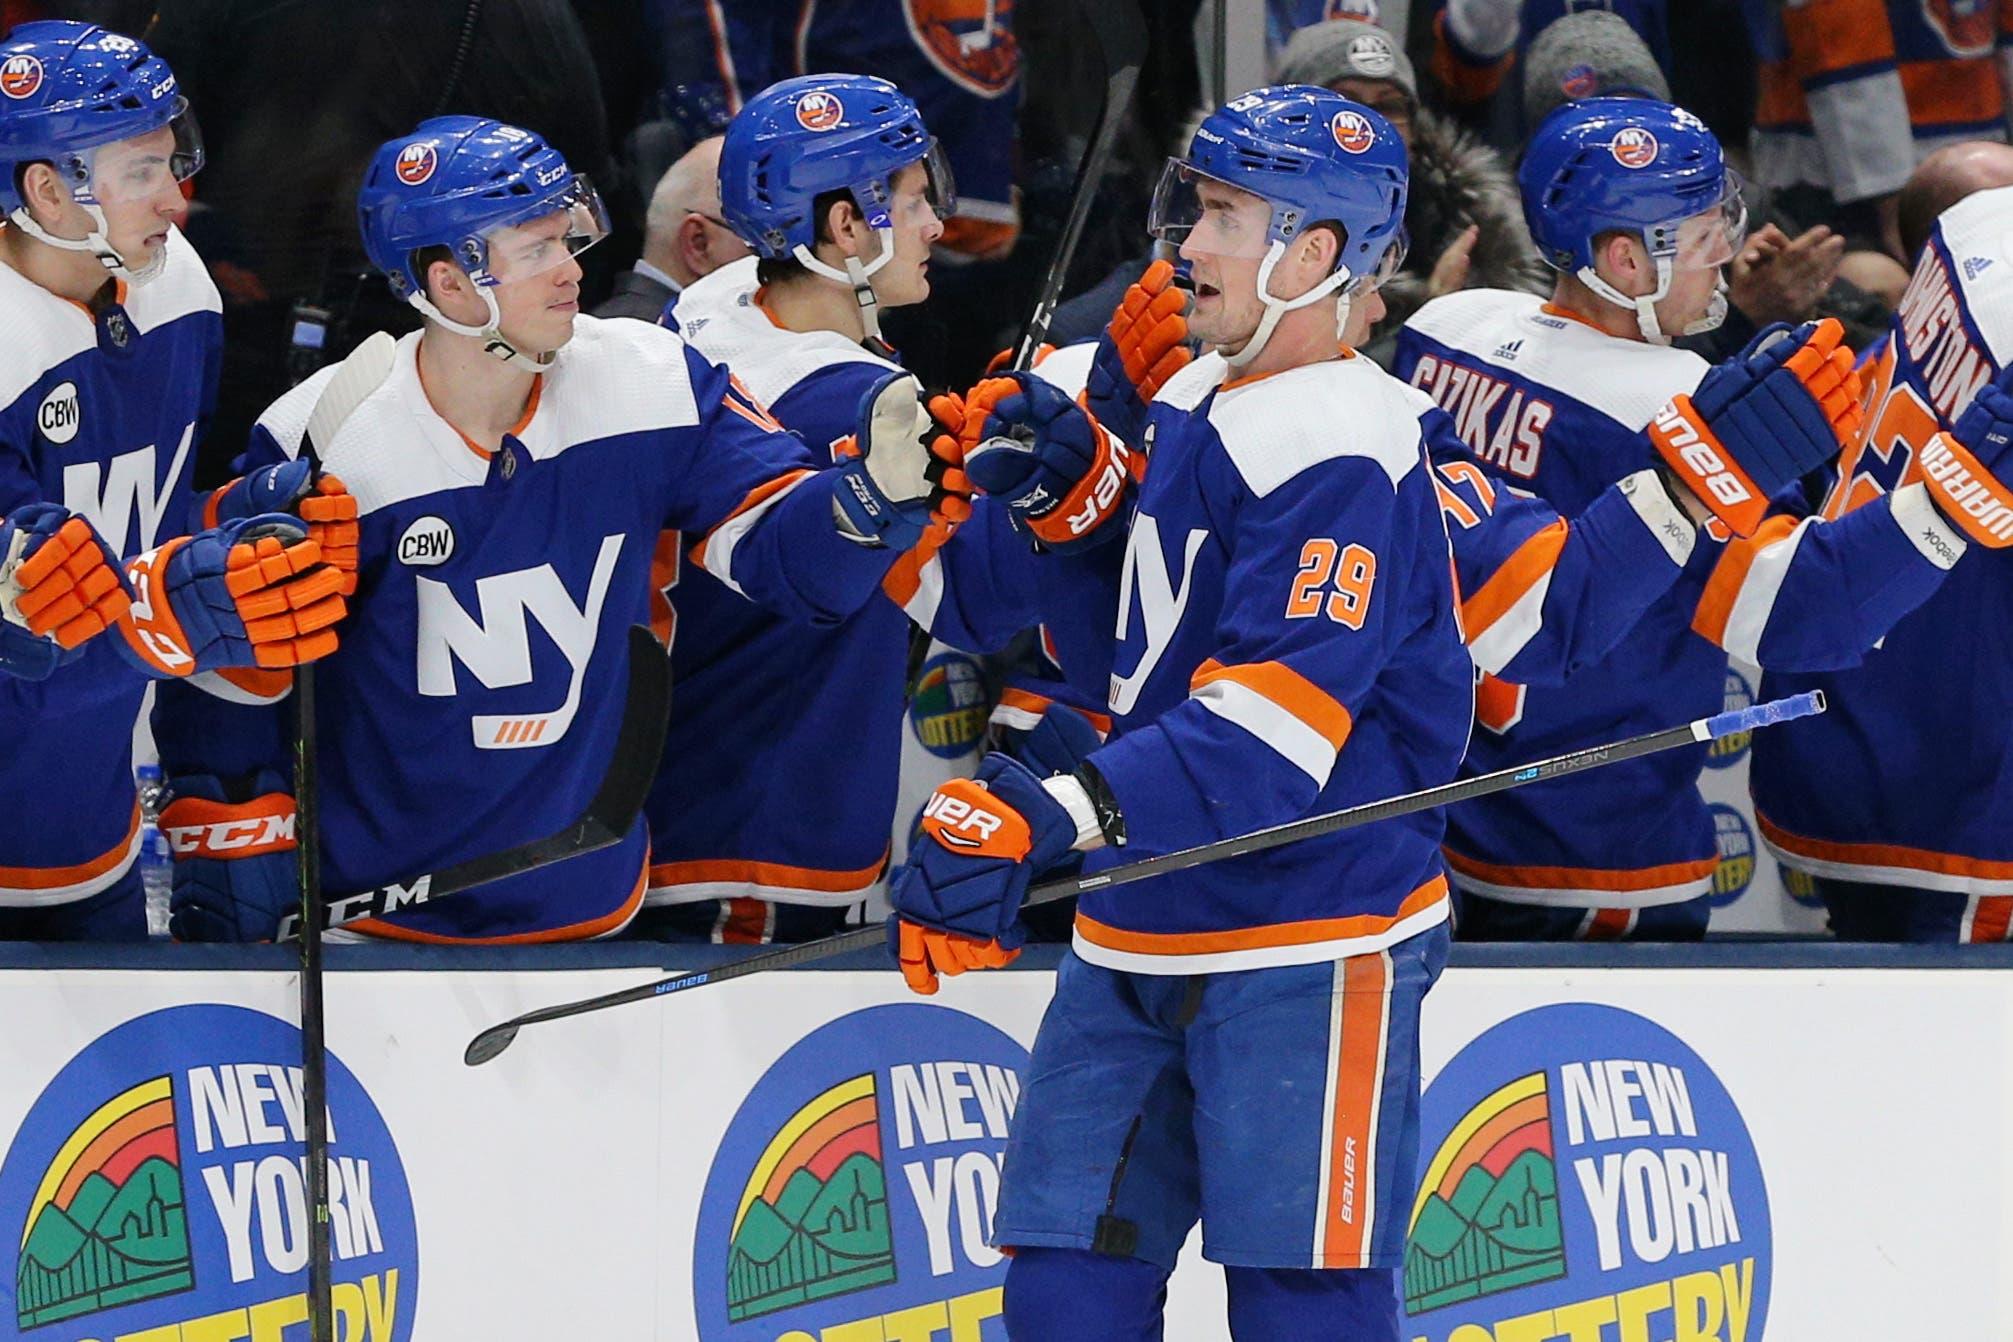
[1457, 180]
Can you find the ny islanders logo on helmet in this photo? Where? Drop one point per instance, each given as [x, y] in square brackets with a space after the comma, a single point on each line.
[819, 110]
[1353, 131]
[20, 75]
[416, 162]
[1634, 147]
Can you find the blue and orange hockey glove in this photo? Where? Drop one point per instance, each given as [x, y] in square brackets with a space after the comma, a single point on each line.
[1762, 420]
[1061, 475]
[60, 586]
[1145, 344]
[900, 472]
[957, 899]
[236, 874]
[1961, 468]
[253, 592]
[328, 508]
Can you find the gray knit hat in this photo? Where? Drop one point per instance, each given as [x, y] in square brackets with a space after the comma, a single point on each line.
[1327, 53]
[1587, 55]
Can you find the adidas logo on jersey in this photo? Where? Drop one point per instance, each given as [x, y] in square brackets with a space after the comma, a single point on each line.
[1974, 266]
[1508, 351]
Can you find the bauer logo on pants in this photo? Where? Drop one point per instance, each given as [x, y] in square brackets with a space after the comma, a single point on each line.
[1584, 1175]
[156, 1191]
[853, 1194]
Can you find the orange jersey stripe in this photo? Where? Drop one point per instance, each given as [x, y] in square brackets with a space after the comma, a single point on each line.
[1518, 574]
[775, 874]
[1260, 938]
[756, 496]
[1581, 878]
[1830, 35]
[1029, 702]
[1351, 1156]
[1951, 92]
[1287, 688]
[1729, 575]
[1991, 919]
[582, 931]
[1884, 855]
[53, 878]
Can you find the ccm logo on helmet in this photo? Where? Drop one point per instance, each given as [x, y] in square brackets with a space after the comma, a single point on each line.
[1352, 131]
[20, 76]
[416, 162]
[1634, 147]
[820, 111]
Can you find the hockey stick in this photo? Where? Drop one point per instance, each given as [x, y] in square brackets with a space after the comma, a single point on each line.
[498, 1037]
[362, 373]
[1121, 39]
[646, 711]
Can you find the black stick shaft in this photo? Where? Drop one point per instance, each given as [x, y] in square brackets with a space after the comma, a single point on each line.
[495, 1039]
[314, 1044]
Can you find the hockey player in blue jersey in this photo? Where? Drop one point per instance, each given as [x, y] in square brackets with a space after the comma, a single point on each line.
[1631, 202]
[513, 474]
[106, 380]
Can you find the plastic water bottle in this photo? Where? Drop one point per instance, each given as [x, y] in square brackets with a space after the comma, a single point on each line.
[157, 864]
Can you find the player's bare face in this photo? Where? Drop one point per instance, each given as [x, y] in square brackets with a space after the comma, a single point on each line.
[538, 283]
[1224, 250]
[906, 279]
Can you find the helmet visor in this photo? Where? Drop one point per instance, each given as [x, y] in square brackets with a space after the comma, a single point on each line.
[142, 166]
[1198, 214]
[1711, 238]
[545, 236]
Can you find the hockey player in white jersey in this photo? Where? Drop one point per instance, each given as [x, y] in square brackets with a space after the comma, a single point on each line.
[513, 474]
[107, 373]
[1631, 202]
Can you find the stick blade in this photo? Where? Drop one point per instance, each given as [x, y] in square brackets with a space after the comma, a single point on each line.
[488, 1044]
[362, 373]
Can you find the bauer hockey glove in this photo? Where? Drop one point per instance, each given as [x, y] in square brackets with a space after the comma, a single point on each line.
[322, 502]
[900, 472]
[235, 871]
[59, 586]
[1061, 475]
[1962, 468]
[1762, 420]
[254, 592]
[1145, 345]
[957, 899]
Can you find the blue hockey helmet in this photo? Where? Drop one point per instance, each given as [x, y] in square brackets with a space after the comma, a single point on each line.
[802, 138]
[1314, 157]
[75, 96]
[473, 186]
[1635, 166]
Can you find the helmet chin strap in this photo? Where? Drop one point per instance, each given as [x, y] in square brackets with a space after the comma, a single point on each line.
[856, 275]
[491, 336]
[1275, 308]
[97, 243]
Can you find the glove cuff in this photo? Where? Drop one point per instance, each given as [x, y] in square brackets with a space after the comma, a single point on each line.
[1967, 493]
[198, 827]
[1695, 455]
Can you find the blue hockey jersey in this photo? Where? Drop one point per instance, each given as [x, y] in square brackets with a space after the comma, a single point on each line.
[474, 701]
[1547, 403]
[1908, 779]
[102, 415]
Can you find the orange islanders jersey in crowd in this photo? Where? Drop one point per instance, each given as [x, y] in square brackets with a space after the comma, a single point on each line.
[1854, 92]
[1551, 405]
[102, 415]
[959, 60]
[1907, 780]
[478, 692]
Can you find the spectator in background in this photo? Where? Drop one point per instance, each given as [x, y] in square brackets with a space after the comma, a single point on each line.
[295, 98]
[1462, 214]
[1855, 92]
[684, 237]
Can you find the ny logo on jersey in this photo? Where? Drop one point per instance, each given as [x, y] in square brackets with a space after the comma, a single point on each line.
[1161, 603]
[496, 649]
[113, 496]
